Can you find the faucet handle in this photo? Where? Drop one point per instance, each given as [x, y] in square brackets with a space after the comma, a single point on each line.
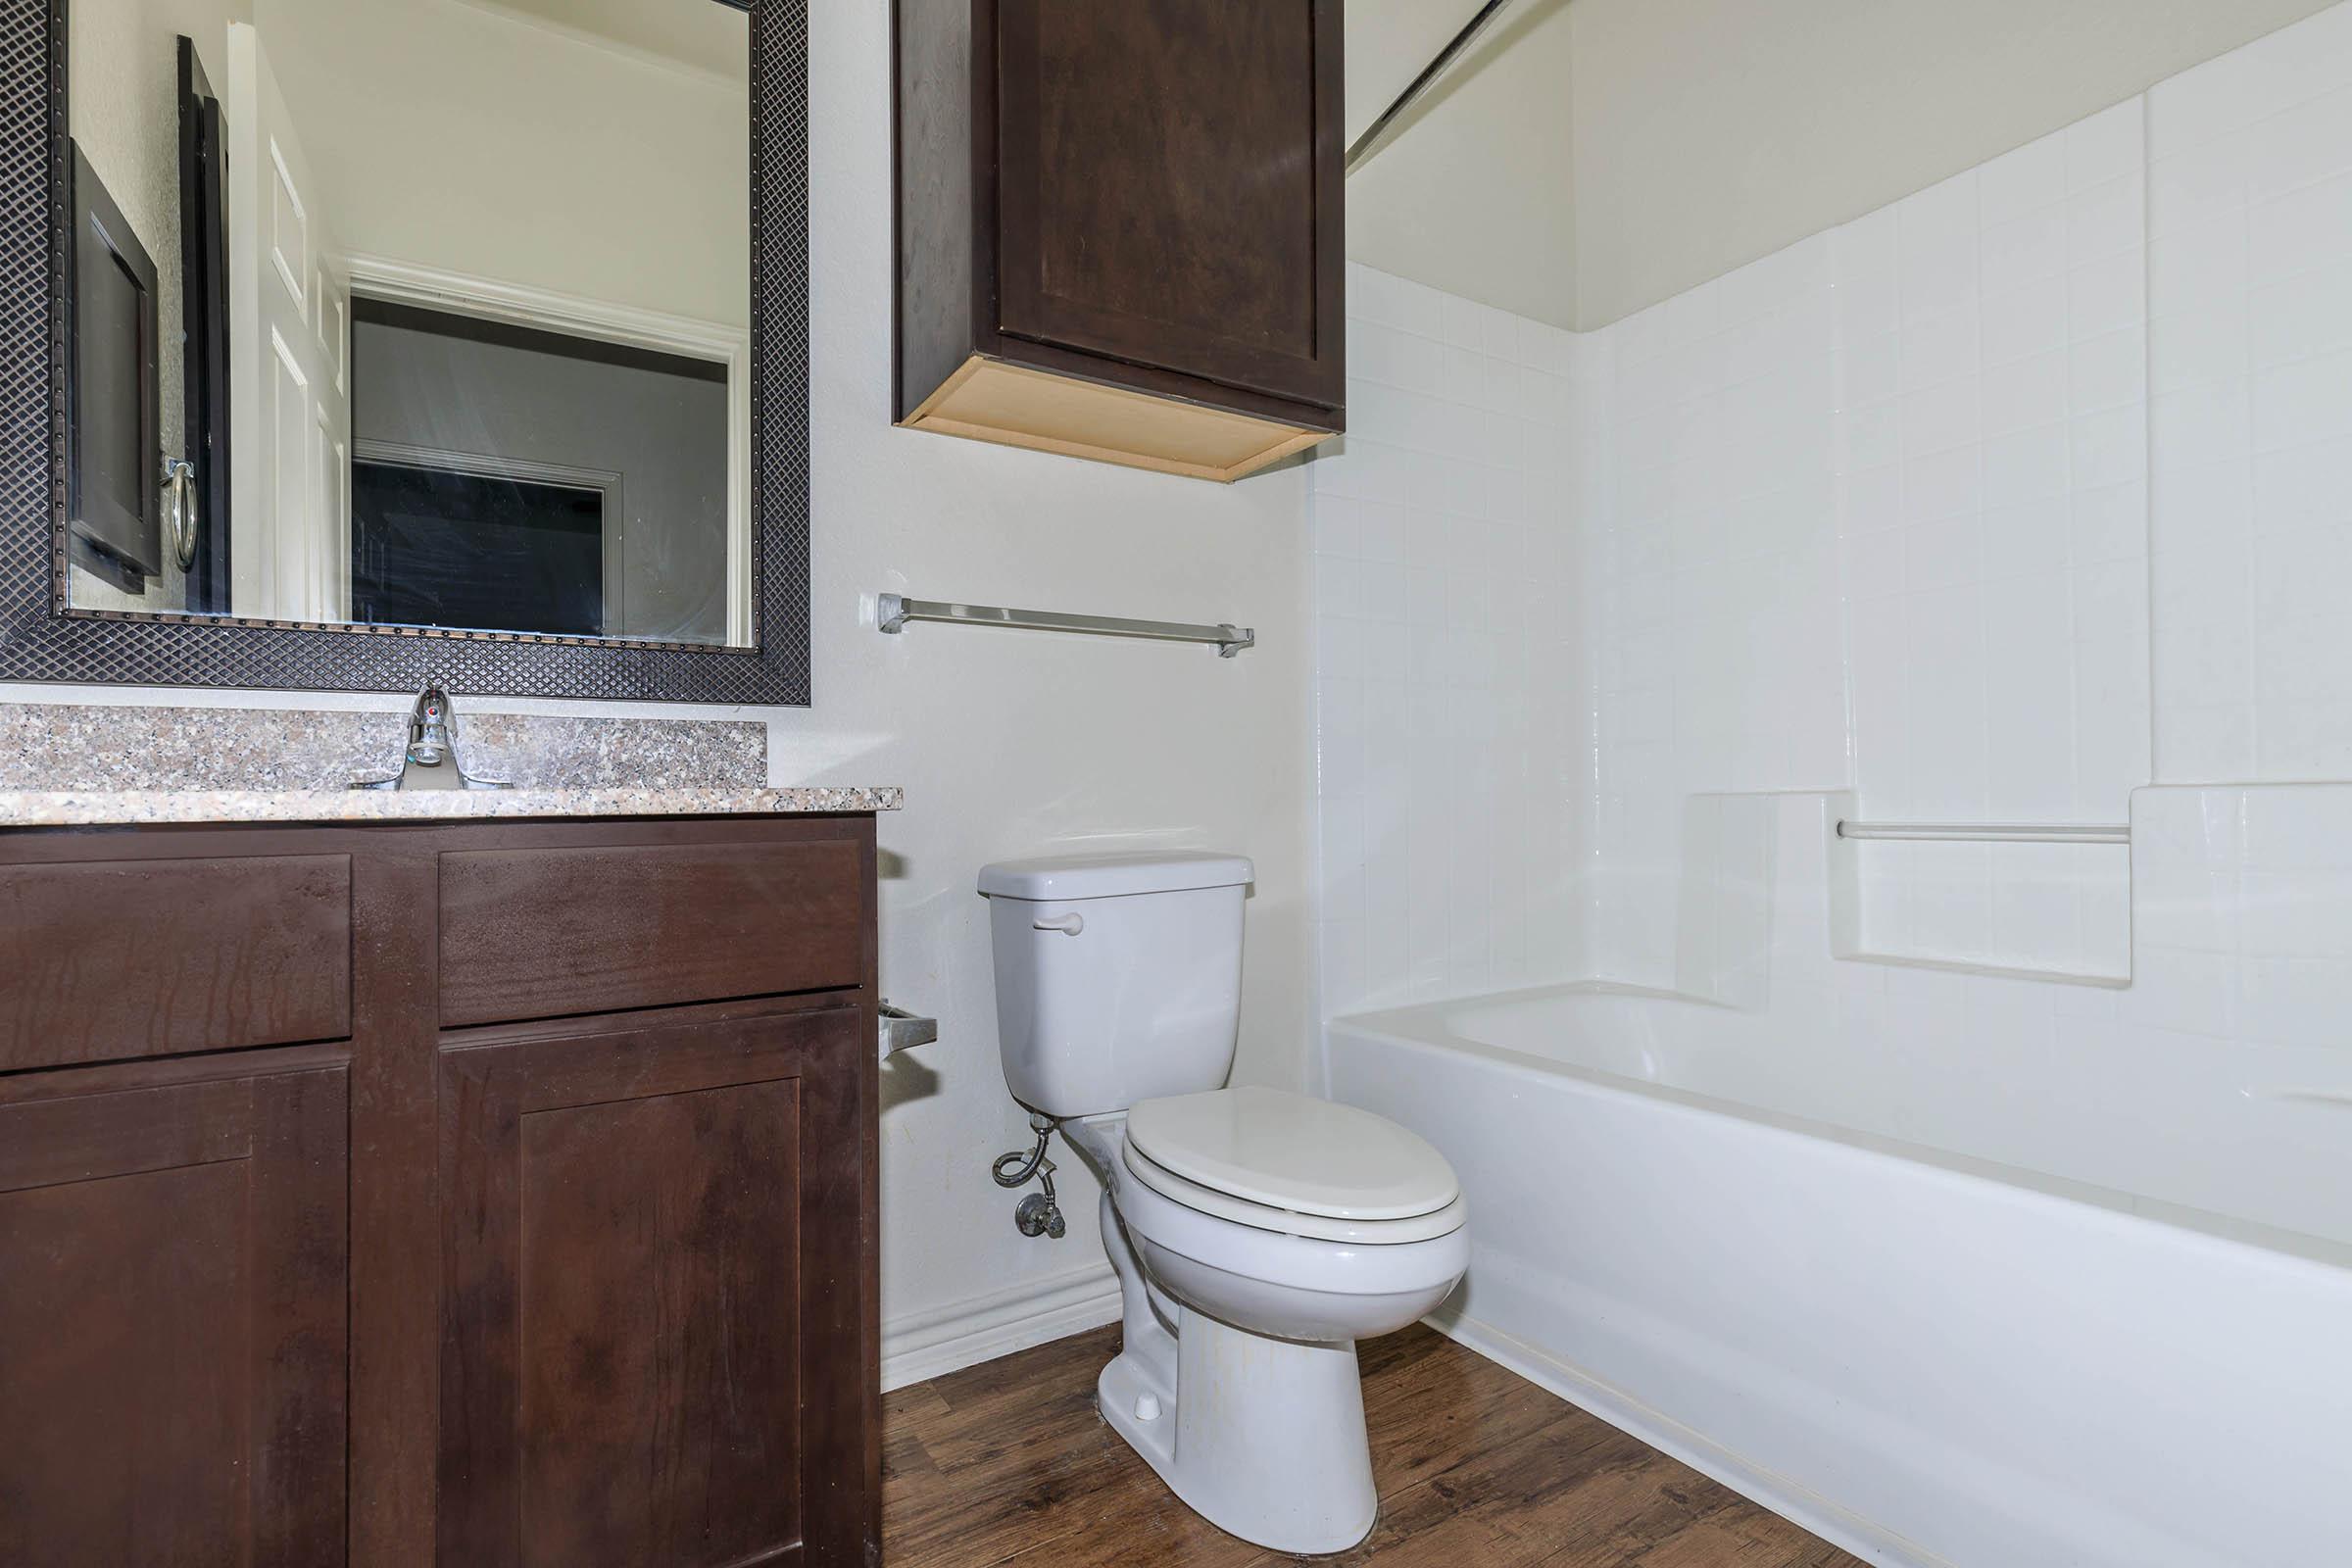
[430, 740]
[430, 761]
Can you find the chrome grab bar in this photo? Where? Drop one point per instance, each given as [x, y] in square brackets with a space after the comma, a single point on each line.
[1992, 832]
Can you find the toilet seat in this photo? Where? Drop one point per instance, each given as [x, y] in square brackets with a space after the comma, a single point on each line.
[1287, 1162]
[1289, 1222]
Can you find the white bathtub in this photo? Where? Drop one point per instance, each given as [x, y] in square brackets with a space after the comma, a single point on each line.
[1937, 1320]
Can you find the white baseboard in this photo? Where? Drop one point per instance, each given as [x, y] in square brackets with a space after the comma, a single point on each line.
[1796, 1503]
[945, 1339]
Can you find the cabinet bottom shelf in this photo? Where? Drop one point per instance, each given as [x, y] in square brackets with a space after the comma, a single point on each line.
[1011, 405]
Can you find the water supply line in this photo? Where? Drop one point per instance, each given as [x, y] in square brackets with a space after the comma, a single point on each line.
[1038, 1214]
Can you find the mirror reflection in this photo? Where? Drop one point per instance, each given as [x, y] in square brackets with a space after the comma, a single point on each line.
[412, 313]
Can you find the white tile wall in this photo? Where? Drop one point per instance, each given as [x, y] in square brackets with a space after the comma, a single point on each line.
[1715, 558]
[1880, 518]
[1992, 517]
[1452, 721]
[1912, 508]
[2245, 930]
[2250, 294]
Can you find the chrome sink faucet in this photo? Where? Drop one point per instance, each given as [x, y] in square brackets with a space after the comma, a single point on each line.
[430, 761]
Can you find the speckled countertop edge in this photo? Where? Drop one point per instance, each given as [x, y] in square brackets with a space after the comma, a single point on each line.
[132, 808]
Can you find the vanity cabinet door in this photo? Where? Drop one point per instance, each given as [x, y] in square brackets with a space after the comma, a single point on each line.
[172, 1317]
[656, 1345]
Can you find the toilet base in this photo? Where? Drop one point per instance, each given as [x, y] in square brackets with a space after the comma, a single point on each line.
[1263, 1437]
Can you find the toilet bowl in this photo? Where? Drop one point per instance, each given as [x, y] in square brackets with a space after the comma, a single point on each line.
[1237, 1379]
[1257, 1234]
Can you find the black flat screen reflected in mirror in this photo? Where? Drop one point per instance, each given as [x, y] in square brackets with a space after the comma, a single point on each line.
[438, 548]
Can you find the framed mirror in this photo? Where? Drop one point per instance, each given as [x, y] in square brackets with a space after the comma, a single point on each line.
[386, 340]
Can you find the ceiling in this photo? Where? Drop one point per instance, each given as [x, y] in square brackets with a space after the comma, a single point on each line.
[1594, 157]
[1388, 41]
[698, 34]
[1474, 192]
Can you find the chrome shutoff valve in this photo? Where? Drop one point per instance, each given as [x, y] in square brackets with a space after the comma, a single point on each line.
[1038, 1214]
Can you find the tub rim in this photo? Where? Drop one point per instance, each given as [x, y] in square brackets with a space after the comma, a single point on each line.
[1420, 1026]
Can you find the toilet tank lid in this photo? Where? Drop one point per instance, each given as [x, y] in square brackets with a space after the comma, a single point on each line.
[1052, 878]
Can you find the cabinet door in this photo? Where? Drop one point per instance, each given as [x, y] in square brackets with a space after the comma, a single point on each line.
[1171, 186]
[172, 1313]
[655, 1347]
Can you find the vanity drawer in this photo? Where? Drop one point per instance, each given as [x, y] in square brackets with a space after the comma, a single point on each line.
[106, 960]
[543, 933]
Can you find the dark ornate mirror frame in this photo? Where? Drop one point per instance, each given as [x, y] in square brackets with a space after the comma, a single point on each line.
[41, 640]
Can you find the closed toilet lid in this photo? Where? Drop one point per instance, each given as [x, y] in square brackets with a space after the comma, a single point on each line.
[1290, 1152]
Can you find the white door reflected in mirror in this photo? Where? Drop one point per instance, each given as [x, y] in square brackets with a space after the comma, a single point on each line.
[452, 313]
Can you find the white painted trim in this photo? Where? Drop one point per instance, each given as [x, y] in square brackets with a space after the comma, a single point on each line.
[291, 272]
[1798, 1504]
[526, 304]
[402, 455]
[947, 1338]
[737, 78]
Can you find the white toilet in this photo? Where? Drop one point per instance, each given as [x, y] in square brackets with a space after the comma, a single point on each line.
[1257, 1234]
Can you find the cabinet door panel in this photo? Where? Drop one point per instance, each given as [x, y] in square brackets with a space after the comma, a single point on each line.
[1171, 186]
[172, 1298]
[635, 1348]
[659, 1248]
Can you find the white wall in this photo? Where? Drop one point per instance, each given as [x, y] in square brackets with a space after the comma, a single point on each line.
[1006, 743]
[1009, 743]
[463, 138]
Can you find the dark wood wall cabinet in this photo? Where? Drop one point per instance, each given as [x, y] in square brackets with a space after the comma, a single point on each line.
[1120, 228]
[474, 1194]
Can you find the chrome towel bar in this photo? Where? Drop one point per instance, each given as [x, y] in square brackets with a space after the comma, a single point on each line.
[892, 613]
[1992, 832]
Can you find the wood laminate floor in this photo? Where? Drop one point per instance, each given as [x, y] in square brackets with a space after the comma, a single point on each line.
[1477, 1468]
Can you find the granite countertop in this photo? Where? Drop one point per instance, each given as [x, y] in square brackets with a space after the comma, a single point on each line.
[80, 766]
[126, 808]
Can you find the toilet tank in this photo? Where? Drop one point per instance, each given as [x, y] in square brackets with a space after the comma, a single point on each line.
[1118, 976]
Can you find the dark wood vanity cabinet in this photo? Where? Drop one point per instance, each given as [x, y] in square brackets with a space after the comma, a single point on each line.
[477, 1194]
[1120, 228]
